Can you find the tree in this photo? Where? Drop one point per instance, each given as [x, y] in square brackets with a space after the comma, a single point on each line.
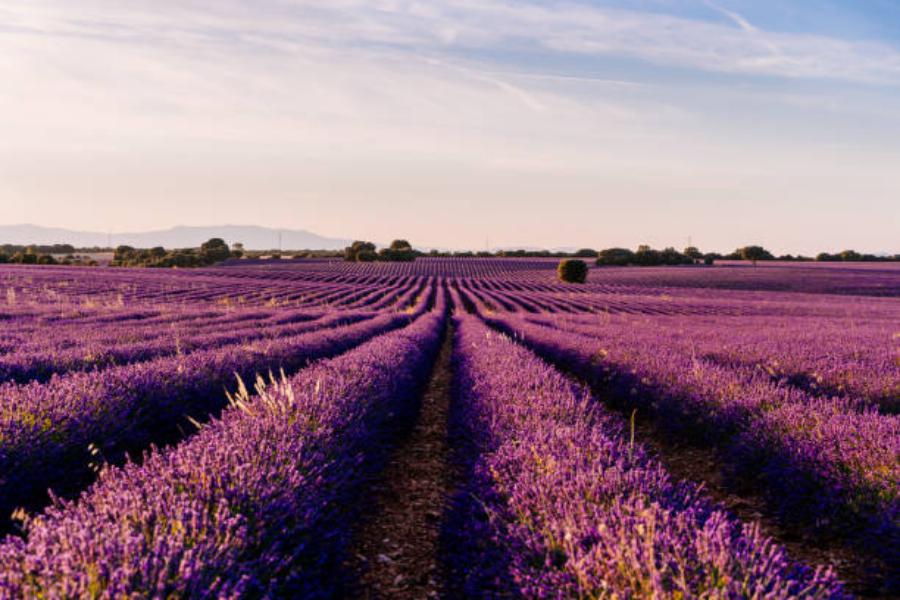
[693, 252]
[754, 253]
[122, 255]
[352, 252]
[619, 257]
[401, 245]
[586, 253]
[25, 258]
[214, 250]
[398, 251]
[572, 271]
[647, 256]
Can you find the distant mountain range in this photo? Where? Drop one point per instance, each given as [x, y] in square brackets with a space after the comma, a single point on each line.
[253, 237]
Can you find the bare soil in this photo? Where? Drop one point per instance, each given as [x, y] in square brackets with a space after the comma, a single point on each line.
[396, 547]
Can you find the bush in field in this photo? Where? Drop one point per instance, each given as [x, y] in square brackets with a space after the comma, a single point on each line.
[618, 257]
[46, 259]
[572, 271]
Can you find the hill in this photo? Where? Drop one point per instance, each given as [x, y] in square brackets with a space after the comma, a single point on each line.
[253, 237]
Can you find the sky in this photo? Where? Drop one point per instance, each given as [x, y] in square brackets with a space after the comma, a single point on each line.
[459, 123]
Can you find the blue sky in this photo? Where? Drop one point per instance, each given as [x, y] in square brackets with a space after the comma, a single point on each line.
[450, 122]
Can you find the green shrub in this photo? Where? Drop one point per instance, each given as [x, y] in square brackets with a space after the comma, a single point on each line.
[214, 250]
[352, 252]
[618, 257]
[572, 271]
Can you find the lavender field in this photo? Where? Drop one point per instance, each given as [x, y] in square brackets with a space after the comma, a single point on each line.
[450, 427]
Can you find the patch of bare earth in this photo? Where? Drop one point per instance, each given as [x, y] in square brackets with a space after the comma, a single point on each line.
[395, 549]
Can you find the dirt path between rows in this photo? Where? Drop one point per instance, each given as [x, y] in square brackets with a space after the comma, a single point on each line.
[396, 548]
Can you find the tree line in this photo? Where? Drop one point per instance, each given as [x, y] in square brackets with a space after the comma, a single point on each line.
[210, 252]
[215, 250]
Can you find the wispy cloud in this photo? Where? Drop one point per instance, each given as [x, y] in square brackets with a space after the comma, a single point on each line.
[445, 26]
[495, 100]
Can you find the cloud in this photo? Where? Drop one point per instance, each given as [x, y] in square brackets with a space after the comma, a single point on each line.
[445, 26]
[346, 104]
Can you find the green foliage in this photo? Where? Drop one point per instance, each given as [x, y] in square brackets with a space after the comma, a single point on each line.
[210, 252]
[852, 256]
[753, 253]
[215, 250]
[618, 257]
[398, 251]
[693, 252]
[352, 252]
[671, 256]
[644, 257]
[586, 253]
[25, 258]
[572, 271]
[10, 249]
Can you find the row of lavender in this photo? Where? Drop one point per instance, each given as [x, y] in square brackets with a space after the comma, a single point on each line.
[36, 349]
[829, 462]
[23, 289]
[826, 357]
[257, 503]
[49, 431]
[560, 504]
